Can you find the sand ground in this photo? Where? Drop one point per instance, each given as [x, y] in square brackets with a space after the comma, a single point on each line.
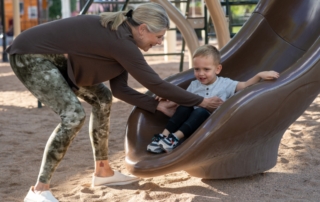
[24, 130]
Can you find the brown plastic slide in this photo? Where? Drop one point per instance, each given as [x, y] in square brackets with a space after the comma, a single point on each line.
[242, 137]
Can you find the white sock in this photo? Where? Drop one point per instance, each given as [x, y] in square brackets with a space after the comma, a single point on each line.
[175, 136]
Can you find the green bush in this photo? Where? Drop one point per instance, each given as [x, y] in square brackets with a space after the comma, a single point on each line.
[55, 9]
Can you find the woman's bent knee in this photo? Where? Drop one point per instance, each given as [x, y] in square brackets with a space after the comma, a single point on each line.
[73, 119]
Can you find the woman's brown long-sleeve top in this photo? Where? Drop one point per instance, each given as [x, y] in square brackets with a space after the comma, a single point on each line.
[97, 54]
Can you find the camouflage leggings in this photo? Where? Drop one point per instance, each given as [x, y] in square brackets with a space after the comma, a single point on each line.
[42, 75]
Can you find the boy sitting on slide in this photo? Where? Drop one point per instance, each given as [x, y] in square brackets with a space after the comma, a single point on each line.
[206, 64]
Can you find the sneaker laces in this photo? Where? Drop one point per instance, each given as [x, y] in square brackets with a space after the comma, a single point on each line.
[157, 137]
[172, 139]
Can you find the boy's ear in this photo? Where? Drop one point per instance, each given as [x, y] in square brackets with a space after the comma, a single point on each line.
[219, 68]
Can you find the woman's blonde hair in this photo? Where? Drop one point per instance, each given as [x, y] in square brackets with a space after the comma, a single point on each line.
[151, 14]
[208, 50]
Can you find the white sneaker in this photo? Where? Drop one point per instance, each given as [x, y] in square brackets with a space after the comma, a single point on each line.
[44, 196]
[117, 179]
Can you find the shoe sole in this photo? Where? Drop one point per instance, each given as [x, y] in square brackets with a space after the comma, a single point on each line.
[118, 183]
[154, 149]
[166, 150]
[155, 152]
[28, 200]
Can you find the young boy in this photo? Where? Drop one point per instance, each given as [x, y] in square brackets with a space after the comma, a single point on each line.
[206, 62]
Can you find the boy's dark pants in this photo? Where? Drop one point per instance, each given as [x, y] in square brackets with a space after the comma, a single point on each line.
[187, 120]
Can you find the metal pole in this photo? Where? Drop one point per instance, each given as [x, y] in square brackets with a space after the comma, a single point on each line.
[86, 7]
[82, 2]
[4, 38]
[39, 11]
[125, 5]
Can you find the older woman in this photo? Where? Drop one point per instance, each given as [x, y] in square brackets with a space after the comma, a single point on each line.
[69, 58]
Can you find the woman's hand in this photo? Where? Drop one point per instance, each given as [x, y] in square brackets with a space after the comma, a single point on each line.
[211, 103]
[167, 107]
[158, 98]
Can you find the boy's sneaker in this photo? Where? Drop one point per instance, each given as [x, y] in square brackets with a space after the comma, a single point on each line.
[154, 146]
[169, 143]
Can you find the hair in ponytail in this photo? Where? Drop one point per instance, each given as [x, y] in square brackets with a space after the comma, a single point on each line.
[151, 14]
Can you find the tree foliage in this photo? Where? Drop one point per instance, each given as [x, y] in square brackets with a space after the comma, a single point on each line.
[55, 9]
[73, 5]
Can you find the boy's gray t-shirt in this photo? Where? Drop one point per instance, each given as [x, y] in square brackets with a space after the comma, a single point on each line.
[224, 88]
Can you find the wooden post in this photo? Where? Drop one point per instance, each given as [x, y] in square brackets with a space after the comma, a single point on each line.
[170, 42]
[4, 38]
[16, 18]
[66, 10]
[220, 22]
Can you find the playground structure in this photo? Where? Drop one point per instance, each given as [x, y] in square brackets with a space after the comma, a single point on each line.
[218, 18]
[26, 13]
[242, 137]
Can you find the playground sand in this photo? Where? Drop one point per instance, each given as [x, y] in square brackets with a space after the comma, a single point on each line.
[24, 130]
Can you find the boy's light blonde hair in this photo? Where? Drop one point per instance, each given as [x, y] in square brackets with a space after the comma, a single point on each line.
[151, 14]
[208, 50]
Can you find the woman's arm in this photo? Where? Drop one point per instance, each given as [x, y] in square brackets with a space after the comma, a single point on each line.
[266, 75]
[122, 91]
[131, 59]
[169, 107]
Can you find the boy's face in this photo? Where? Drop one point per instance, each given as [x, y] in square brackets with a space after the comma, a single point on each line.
[206, 69]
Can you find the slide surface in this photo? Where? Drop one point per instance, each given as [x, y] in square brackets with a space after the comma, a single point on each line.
[242, 137]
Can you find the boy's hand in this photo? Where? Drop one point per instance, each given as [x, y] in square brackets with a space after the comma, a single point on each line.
[268, 75]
